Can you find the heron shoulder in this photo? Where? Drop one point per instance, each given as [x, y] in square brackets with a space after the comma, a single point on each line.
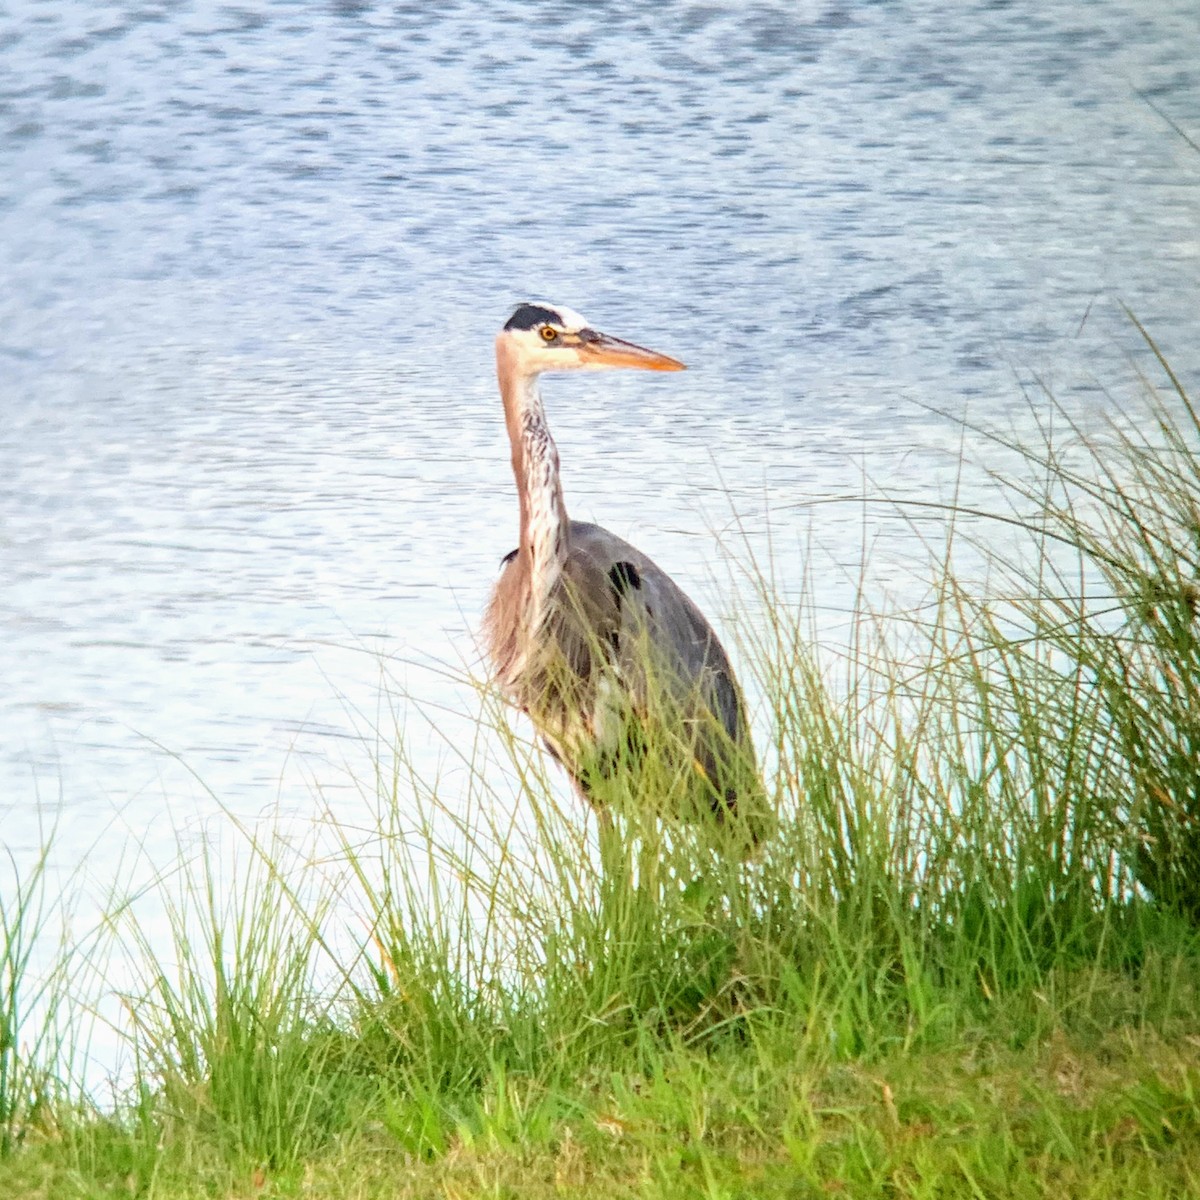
[600, 564]
[598, 560]
[606, 570]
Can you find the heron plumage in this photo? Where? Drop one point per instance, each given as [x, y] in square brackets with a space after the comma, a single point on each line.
[586, 633]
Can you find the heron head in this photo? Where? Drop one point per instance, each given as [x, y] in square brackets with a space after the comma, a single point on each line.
[547, 337]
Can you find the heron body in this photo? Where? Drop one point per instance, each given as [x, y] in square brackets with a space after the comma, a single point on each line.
[603, 650]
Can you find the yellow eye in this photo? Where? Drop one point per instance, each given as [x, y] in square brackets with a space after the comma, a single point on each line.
[549, 334]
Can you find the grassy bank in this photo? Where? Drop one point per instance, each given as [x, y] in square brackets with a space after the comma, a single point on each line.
[966, 964]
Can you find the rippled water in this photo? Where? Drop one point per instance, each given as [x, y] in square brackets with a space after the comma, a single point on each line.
[252, 259]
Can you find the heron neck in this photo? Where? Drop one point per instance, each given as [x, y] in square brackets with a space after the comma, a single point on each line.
[539, 488]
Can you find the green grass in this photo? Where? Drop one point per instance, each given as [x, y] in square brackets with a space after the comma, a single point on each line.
[1113, 1114]
[967, 962]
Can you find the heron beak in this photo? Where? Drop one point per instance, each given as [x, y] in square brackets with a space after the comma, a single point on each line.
[599, 348]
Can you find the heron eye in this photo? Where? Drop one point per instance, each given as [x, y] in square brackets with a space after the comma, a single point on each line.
[549, 334]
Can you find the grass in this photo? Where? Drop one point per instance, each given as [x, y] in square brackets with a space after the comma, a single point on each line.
[967, 963]
[22, 920]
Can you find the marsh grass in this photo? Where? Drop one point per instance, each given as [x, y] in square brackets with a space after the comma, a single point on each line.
[25, 1066]
[233, 1032]
[1131, 511]
[966, 956]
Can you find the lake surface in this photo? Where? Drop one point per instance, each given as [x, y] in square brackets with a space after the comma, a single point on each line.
[252, 260]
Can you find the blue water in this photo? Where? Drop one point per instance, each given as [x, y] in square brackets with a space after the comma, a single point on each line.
[252, 260]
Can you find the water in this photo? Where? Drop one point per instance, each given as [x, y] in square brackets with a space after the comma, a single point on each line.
[252, 259]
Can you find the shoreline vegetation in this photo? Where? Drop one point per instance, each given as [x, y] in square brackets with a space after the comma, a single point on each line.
[967, 963]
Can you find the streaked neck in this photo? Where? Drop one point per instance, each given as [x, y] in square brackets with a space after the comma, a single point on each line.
[539, 489]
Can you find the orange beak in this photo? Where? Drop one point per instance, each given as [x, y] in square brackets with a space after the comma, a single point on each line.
[614, 352]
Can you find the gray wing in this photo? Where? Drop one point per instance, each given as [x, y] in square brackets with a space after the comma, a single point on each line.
[629, 597]
[661, 647]
[624, 652]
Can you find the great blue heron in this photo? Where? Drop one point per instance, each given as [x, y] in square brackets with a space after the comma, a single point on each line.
[587, 635]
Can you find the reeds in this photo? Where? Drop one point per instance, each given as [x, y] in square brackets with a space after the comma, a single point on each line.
[25, 1081]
